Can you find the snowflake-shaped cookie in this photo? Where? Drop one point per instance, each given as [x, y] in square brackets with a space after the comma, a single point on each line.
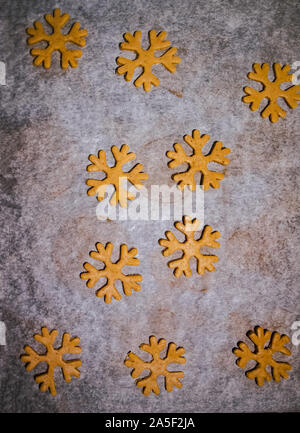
[157, 366]
[197, 162]
[146, 58]
[263, 355]
[56, 40]
[53, 357]
[115, 175]
[112, 272]
[271, 90]
[190, 247]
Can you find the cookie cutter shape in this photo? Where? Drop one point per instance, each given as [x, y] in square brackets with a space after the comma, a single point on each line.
[56, 40]
[197, 162]
[112, 272]
[115, 175]
[157, 366]
[53, 357]
[146, 58]
[263, 355]
[190, 247]
[271, 90]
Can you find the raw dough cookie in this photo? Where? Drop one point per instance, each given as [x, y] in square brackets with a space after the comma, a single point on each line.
[197, 162]
[53, 357]
[263, 355]
[190, 247]
[112, 272]
[157, 366]
[115, 175]
[271, 90]
[146, 58]
[56, 40]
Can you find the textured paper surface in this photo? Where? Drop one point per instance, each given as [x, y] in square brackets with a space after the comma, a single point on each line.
[52, 120]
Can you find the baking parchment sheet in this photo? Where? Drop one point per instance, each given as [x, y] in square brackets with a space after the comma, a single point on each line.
[52, 120]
